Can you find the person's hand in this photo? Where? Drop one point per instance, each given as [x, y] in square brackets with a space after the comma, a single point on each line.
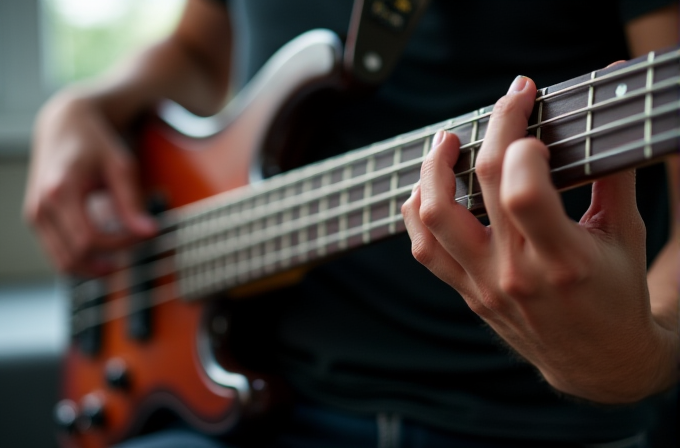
[76, 153]
[571, 298]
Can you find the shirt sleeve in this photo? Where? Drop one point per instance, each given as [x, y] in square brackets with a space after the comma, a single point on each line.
[632, 9]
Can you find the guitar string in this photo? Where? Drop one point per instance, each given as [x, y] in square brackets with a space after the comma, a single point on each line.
[340, 187]
[111, 310]
[661, 85]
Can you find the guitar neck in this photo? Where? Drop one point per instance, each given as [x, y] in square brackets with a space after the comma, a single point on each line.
[609, 120]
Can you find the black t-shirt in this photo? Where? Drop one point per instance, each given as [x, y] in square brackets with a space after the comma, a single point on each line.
[374, 330]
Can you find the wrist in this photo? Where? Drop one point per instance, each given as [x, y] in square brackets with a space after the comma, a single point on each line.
[627, 374]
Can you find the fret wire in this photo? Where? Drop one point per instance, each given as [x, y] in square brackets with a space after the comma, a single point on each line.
[287, 215]
[270, 245]
[589, 123]
[368, 188]
[394, 184]
[648, 105]
[539, 117]
[639, 67]
[344, 200]
[474, 135]
[323, 206]
[304, 214]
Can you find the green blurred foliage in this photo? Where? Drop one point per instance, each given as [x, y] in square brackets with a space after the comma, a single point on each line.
[78, 51]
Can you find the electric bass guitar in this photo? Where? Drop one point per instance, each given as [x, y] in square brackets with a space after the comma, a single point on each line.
[152, 337]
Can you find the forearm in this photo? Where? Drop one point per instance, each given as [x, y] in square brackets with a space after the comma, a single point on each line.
[664, 286]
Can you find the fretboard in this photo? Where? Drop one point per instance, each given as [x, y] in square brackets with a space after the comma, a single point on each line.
[599, 123]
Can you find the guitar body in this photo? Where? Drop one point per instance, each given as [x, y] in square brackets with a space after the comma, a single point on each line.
[120, 381]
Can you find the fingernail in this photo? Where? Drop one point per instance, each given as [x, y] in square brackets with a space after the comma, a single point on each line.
[438, 138]
[518, 84]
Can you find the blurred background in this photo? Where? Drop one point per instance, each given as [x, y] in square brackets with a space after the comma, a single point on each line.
[45, 44]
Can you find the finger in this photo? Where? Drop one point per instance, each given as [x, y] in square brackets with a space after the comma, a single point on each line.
[66, 259]
[615, 63]
[456, 229]
[613, 208]
[508, 123]
[425, 247]
[53, 245]
[121, 179]
[532, 203]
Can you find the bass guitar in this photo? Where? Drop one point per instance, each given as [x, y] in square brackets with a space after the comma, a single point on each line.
[152, 337]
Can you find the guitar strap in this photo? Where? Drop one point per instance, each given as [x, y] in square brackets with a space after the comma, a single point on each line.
[378, 32]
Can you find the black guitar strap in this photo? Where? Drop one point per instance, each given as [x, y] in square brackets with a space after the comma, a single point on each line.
[378, 32]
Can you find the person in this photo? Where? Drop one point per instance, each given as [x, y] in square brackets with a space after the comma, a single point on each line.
[377, 350]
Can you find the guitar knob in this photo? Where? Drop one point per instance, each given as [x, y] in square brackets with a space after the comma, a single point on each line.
[117, 374]
[91, 412]
[65, 415]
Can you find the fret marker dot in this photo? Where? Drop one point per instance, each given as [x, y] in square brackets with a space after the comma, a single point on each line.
[372, 61]
[621, 90]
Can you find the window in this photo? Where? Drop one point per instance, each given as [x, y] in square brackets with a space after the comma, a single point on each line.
[85, 37]
[45, 44]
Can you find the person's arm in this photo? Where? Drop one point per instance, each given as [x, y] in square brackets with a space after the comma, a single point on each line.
[77, 147]
[574, 299]
[652, 31]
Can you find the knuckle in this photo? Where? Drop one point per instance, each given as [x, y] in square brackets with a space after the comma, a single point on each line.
[485, 306]
[421, 252]
[431, 214]
[478, 308]
[520, 200]
[487, 167]
[512, 282]
[564, 275]
[406, 207]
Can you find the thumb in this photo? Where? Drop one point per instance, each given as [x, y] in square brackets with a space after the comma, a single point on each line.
[121, 180]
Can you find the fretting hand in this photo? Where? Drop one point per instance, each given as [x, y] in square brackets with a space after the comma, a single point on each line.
[571, 298]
